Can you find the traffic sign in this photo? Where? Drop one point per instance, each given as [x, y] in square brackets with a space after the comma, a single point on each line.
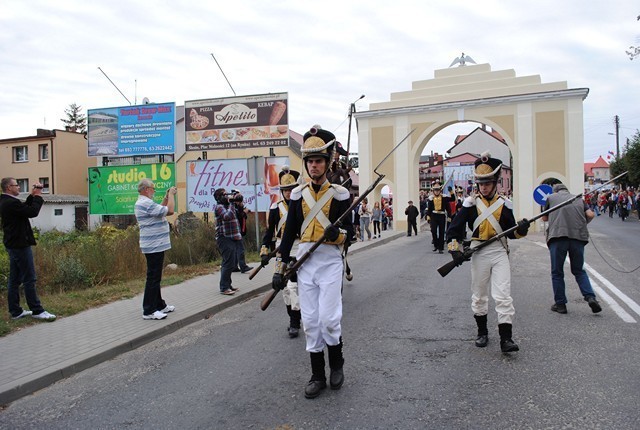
[541, 193]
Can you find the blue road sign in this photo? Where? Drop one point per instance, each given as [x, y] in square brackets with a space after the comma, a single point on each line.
[541, 193]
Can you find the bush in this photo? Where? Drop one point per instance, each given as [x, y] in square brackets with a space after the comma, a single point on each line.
[194, 245]
[4, 268]
[80, 260]
[71, 274]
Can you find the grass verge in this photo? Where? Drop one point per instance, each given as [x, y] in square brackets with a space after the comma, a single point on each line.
[66, 303]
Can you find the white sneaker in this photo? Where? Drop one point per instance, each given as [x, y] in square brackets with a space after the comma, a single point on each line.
[44, 316]
[157, 315]
[23, 314]
[168, 309]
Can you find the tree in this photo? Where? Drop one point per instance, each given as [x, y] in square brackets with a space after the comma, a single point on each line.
[75, 120]
[630, 162]
[633, 51]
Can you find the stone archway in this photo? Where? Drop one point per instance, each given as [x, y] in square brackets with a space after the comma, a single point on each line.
[542, 124]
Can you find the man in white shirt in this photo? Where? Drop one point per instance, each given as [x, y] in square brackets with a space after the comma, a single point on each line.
[154, 241]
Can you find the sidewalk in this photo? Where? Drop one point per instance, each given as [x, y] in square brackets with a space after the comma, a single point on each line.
[39, 355]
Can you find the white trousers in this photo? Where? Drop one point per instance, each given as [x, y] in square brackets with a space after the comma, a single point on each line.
[290, 296]
[490, 267]
[290, 293]
[320, 289]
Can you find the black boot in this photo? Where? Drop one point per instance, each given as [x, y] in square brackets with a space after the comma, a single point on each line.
[318, 380]
[483, 334]
[506, 343]
[294, 322]
[336, 361]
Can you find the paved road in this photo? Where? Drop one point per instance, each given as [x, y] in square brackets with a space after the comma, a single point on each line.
[410, 359]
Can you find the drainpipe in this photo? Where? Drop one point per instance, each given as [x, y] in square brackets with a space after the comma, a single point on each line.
[51, 180]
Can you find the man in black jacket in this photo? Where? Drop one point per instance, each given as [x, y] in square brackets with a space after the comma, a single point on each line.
[412, 218]
[18, 239]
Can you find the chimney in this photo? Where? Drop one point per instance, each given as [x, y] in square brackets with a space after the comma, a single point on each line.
[41, 132]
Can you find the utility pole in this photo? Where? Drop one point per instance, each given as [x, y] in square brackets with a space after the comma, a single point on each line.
[617, 123]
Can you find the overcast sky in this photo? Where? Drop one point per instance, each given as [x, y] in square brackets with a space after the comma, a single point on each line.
[324, 54]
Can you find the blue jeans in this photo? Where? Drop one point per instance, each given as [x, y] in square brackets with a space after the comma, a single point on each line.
[152, 300]
[22, 271]
[229, 249]
[558, 249]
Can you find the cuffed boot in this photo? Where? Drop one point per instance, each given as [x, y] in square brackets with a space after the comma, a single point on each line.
[318, 380]
[336, 361]
[506, 343]
[294, 322]
[483, 334]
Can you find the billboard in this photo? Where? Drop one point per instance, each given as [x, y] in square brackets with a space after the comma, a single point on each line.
[206, 176]
[113, 190]
[132, 130]
[257, 121]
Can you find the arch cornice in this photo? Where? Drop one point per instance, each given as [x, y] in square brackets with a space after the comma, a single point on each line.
[470, 104]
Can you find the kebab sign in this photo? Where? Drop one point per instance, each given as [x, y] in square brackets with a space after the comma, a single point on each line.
[245, 122]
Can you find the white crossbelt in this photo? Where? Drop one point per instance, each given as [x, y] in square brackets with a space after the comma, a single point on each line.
[283, 215]
[487, 214]
[316, 208]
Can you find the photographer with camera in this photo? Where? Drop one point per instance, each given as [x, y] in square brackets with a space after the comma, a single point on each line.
[241, 214]
[18, 239]
[154, 241]
[228, 237]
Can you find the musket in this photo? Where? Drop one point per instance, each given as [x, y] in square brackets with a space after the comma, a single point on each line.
[255, 271]
[352, 110]
[467, 253]
[272, 294]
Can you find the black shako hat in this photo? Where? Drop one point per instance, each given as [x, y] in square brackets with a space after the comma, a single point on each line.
[317, 141]
[288, 178]
[486, 168]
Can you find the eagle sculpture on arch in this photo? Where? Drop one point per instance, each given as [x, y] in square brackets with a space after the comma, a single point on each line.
[462, 60]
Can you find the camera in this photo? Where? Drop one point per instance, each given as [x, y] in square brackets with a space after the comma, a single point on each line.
[235, 196]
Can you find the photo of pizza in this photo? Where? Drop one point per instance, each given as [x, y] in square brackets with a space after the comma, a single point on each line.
[199, 122]
[194, 136]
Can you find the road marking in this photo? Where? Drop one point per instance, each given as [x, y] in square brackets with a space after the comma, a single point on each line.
[628, 300]
[602, 294]
[624, 315]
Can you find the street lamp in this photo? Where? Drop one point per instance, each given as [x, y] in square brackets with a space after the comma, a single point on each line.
[617, 144]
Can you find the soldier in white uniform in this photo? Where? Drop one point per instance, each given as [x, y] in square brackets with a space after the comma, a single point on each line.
[313, 209]
[277, 217]
[487, 215]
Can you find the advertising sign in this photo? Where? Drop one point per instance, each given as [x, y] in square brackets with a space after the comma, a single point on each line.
[132, 130]
[206, 176]
[257, 121]
[113, 190]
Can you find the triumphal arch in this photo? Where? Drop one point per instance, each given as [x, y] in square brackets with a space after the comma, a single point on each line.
[542, 124]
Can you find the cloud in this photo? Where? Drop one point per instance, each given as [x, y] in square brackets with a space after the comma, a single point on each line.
[325, 55]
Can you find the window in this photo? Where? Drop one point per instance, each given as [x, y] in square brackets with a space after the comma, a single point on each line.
[43, 151]
[23, 184]
[20, 154]
[45, 184]
[423, 185]
[57, 212]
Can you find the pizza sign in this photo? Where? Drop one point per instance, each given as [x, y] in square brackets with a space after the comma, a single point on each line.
[256, 121]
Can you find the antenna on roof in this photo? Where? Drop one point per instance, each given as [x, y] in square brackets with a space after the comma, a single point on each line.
[225, 76]
[105, 75]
